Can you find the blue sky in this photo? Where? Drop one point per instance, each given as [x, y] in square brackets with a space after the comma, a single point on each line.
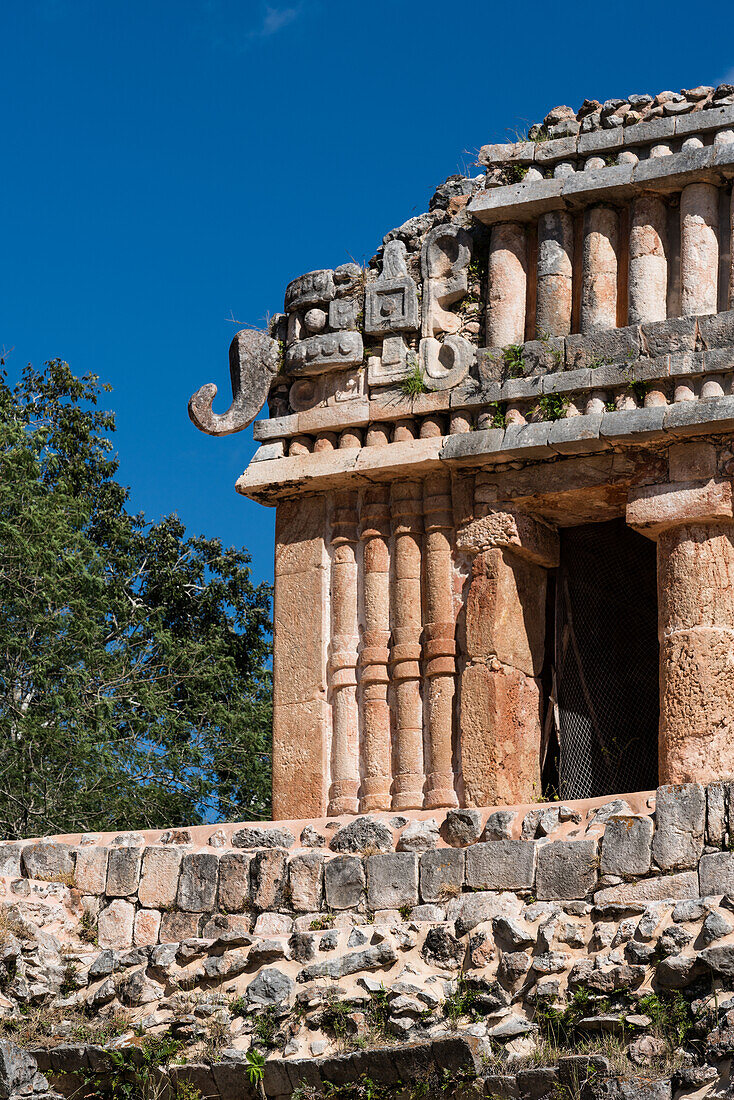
[171, 164]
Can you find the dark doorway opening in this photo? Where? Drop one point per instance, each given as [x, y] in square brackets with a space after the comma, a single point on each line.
[606, 663]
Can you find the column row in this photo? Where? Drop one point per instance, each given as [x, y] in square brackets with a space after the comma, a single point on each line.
[611, 267]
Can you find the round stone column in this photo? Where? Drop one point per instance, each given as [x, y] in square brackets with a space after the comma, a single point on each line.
[439, 645]
[406, 501]
[555, 274]
[648, 264]
[699, 249]
[373, 658]
[693, 525]
[343, 658]
[599, 269]
[507, 279]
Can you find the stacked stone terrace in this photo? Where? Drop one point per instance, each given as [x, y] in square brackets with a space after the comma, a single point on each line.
[551, 344]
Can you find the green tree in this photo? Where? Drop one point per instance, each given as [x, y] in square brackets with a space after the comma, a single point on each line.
[134, 682]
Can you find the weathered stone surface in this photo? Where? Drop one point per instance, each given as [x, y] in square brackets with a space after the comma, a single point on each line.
[392, 880]
[146, 927]
[268, 876]
[177, 926]
[714, 927]
[270, 987]
[627, 846]
[719, 959]
[361, 834]
[680, 819]
[472, 909]
[499, 825]
[684, 885]
[159, 877]
[419, 836]
[716, 874]
[253, 837]
[234, 881]
[344, 882]
[115, 925]
[306, 881]
[123, 871]
[197, 887]
[49, 861]
[90, 872]
[501, 865]
[441, 874]
[566, 869]
[462, 827]
[441, 948]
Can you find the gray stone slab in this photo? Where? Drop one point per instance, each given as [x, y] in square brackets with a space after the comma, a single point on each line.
[676, 334]
[680, 819]
[501, 865]
[698, 417]
[673, 172]
[275, 428]
[607, 376]
[468, 444]
[576, 434]
[724, 156]
[599, 141]
[645, 890]
[567, 381]
[654, 131]
[556, 149]
[515, 388]
[123, 871]
[584, 187]
[269, 451]
[567, 869]
[613, 346]
[529, 439]
[517, 152]
[344, 882]
[197, 886]
[626, 848]
[520, 200]
[717, 330]
[716, 874]
[640, 423]
[714, 118]
[441, 873]
[392, 880]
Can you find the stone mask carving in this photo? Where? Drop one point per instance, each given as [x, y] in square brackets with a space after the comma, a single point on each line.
[254, 360]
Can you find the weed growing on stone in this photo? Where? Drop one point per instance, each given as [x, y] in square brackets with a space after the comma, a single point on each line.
[552, 406]
[87, 931]
[320, 924]
[255, 1067]
[266, 1025]
[413, 384]
[460, 1003]
[497, 413]
[513, 357]
[555, 354]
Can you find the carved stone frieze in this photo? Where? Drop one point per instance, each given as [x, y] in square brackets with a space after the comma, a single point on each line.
[318, 354]
[312, 289]
[391, 302]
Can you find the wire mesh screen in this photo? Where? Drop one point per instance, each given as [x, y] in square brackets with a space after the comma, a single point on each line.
[606, 661]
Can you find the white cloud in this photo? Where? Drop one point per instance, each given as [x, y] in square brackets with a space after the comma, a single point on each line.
[275, 19]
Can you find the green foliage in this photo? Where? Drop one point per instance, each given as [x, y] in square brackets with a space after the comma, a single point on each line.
[560, 1026]
[513, 356]
[336, 1019]
[460, 1003]
[320, 924]
[238, 1006]
[515, 173]
[497, 412]
[255, 1067]
[552, 406]
[378, 1012]
[670, 1013]
[87, 931]
[132, 1073]
[414, 383]
[266, 1026]
[134, 690]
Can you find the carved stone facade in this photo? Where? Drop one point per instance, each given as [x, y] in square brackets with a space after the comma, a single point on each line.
[551, 345]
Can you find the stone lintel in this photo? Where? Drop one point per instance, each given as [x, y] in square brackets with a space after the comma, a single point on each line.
[511, 530]
[652, 509]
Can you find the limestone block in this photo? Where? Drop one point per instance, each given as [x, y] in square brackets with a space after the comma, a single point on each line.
[272, 924]
[306, 879]
[680, 818]
[270, 987]
[262, 838]
[123, 871]
[360, 834]
[197, 887]
[419, 836]
[501, 865]
[147, 927]
[177, 926]
[392, 880]
[48, 861]
[234, 881]
[658, 888]
[90, 873]
[505, 528]
[717, 817]
[567, 869]
[441, 874]
[670, 337]
[500, 735]
[115, 925]
[469, 910]
[268, 873]
[505, 611]
[159, 876]
[716, 874]
[653, 508]
[462, 827]
[627, 846]
[344, 882]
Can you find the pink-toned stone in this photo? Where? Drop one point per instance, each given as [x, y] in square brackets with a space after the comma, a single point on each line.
[648, 264]
[342, 665]
[234, 881]
[528, 537]
[269, 870]
[177, 926]
[159, 876]
[500, 736]
[599, 269]
[505, 611]
[506, 285]
[306, 877]
[90, 872]
[374, 654]
[695, 461]
[115, 925]
[272, 924]
[653, 508]
[146, 928]
[299, 660]
[555, 271]
[699, 249]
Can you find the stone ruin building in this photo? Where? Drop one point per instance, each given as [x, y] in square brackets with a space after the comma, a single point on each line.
[501, 461]
[503, 862]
